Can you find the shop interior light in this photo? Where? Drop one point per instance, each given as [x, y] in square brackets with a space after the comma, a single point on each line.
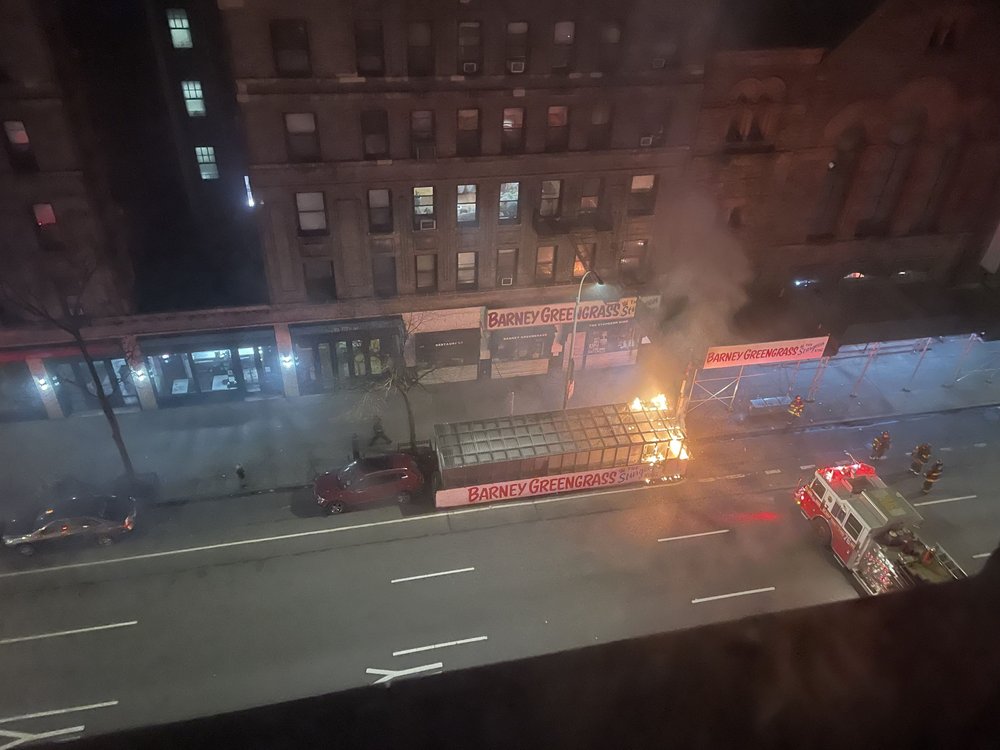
[286, 360]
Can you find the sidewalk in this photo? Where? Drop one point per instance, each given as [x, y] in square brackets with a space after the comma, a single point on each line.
[285, 442]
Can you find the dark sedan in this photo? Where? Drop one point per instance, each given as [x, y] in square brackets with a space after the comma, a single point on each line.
[103, 518]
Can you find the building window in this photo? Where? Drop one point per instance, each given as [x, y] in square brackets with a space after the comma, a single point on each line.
[507, 266]
[206, 162]
[384, 274]
[564, 37]
[426, 273]
[599, 135]
[512, 135]
[375, 131]
[551, 193]
[839, 176]
[290, 46]
[609, 56]
[369, 54]
[467, 143]
[466, 206]
[422, 134]
[180, 28]
[420, 49]
[380, 211]
[45, 215]
[194, 98]
[583, 260]
[557, 132]
[633, 261]
[22, 158]
[311, 208]
[301, 137]
[467, 276]
[46, 227]
[642, 195]
[545, 264]
[423, 208]
[470, 49]
[510, 212]
[517, 47]
[888, 178]
[590, 195]
[320, 285]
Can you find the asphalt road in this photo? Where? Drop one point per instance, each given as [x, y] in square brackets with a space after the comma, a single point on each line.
[216, 606]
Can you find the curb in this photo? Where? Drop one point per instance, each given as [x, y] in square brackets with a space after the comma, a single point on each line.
[178, 501]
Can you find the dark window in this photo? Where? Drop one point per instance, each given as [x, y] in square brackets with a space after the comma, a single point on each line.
[466, 205]
[380, 211]
[426, 273]
[512, 135]
[944, 175]
[517, 47]
[47, 227]
[290, 45]
[447, 348]
[887, 182]
[311, 209]
[375, 130]
[563, 41]
[384, 274]
[507, 266]
[583, 260]
[839, 175]
[422, 134]
[551, 198]
[590, 195]
[423, 207]
[22, 158]
[467, 141]
[301, 137]
[509, 202]
[853, 526]
[642, 195]
[599, 135]
[633, 261]
[545, 264]
[470, 49]
[467, 275]
[609, 56]
[319, 281]
[420, 49]
[557, 131]
[369, 50]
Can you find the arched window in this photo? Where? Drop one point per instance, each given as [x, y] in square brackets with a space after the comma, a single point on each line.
[889, 176]
[839, 175]
[944, 175]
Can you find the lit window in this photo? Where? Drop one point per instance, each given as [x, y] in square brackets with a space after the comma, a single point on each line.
[19, 147]
[194, 99]
[426, 273]
[545, 264]
[423, 207]
[311, 208]
[180, 28]
[206, 162]
[509, 202]
[465, 205]
[44, 214]
[583, 260]
[17, 135]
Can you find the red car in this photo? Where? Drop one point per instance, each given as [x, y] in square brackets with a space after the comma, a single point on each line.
[375, 478]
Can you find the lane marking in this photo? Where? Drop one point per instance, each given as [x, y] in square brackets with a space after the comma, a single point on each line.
[432, 575]
[389, 674]
[20, 738]
[773, 471]
[944, 449]
[692, 536]
[945, 500]
[60, 633]
[446, 644]
[708, 479]
[981, 555]
[979, 445]
[730, 596]
[808, 466]
[735, 476]
[58, 711]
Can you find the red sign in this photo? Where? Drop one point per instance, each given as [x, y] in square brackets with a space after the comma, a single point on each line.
[581, 480]
[765, 354]
[522, 317]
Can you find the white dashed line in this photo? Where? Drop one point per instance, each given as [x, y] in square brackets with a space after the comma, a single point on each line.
[729, 596]
[432, 575]
[808, 466]
[58, 711]
[735, 476]
[979, 445]
[692, 536]
[418, 649]
[60, 633]
[945, 500]
[708, 479]
[981, 555]
[946, 450]
[773, 471]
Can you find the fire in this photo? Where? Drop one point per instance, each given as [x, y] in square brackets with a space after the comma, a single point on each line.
[636, 404]
[659, 401]
[656, 403]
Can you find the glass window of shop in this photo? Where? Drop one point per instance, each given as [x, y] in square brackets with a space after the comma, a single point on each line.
[447, 348]
[19, 398]
[75, 388]
[522, 344]
[614, 336]
[325, 361]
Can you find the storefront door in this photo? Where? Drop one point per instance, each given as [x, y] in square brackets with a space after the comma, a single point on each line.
[77, 392]
[327, 361]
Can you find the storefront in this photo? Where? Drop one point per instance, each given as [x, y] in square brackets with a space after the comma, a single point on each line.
[521, 351]
[445, 346]
[19, 398]
[214, 367]
[610, 344]
[329, 356]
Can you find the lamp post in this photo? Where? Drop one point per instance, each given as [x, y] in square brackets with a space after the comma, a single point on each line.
[572, 339]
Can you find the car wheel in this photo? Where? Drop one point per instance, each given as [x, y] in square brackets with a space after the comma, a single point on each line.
[105, 541]
[334, 507]
[25, 549]
[821, 530]
[403, 498]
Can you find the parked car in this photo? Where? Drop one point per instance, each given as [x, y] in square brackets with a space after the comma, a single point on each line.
[369, 480]
[103, 518]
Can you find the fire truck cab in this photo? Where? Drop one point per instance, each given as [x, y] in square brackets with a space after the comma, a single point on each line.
[872, 529]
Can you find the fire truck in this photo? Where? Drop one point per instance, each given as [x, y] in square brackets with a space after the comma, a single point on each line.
[872, 530]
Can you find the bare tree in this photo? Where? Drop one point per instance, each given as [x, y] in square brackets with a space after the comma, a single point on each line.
[63, 310]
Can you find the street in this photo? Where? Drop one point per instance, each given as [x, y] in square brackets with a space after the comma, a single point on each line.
[220, 605]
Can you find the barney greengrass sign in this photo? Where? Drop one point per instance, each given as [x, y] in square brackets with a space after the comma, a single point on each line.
[765, 354]
[560, 312]
[518, 488]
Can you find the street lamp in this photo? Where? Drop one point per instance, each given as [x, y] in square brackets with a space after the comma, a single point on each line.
[572, 339]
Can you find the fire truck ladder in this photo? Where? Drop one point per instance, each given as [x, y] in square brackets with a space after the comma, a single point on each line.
[949, 563]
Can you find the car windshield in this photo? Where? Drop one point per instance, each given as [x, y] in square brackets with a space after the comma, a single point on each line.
[350, 474]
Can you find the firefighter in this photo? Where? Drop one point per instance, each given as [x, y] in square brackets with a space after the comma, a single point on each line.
[933, 474]
[795, 408]
[880, 445]
[921, 455]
